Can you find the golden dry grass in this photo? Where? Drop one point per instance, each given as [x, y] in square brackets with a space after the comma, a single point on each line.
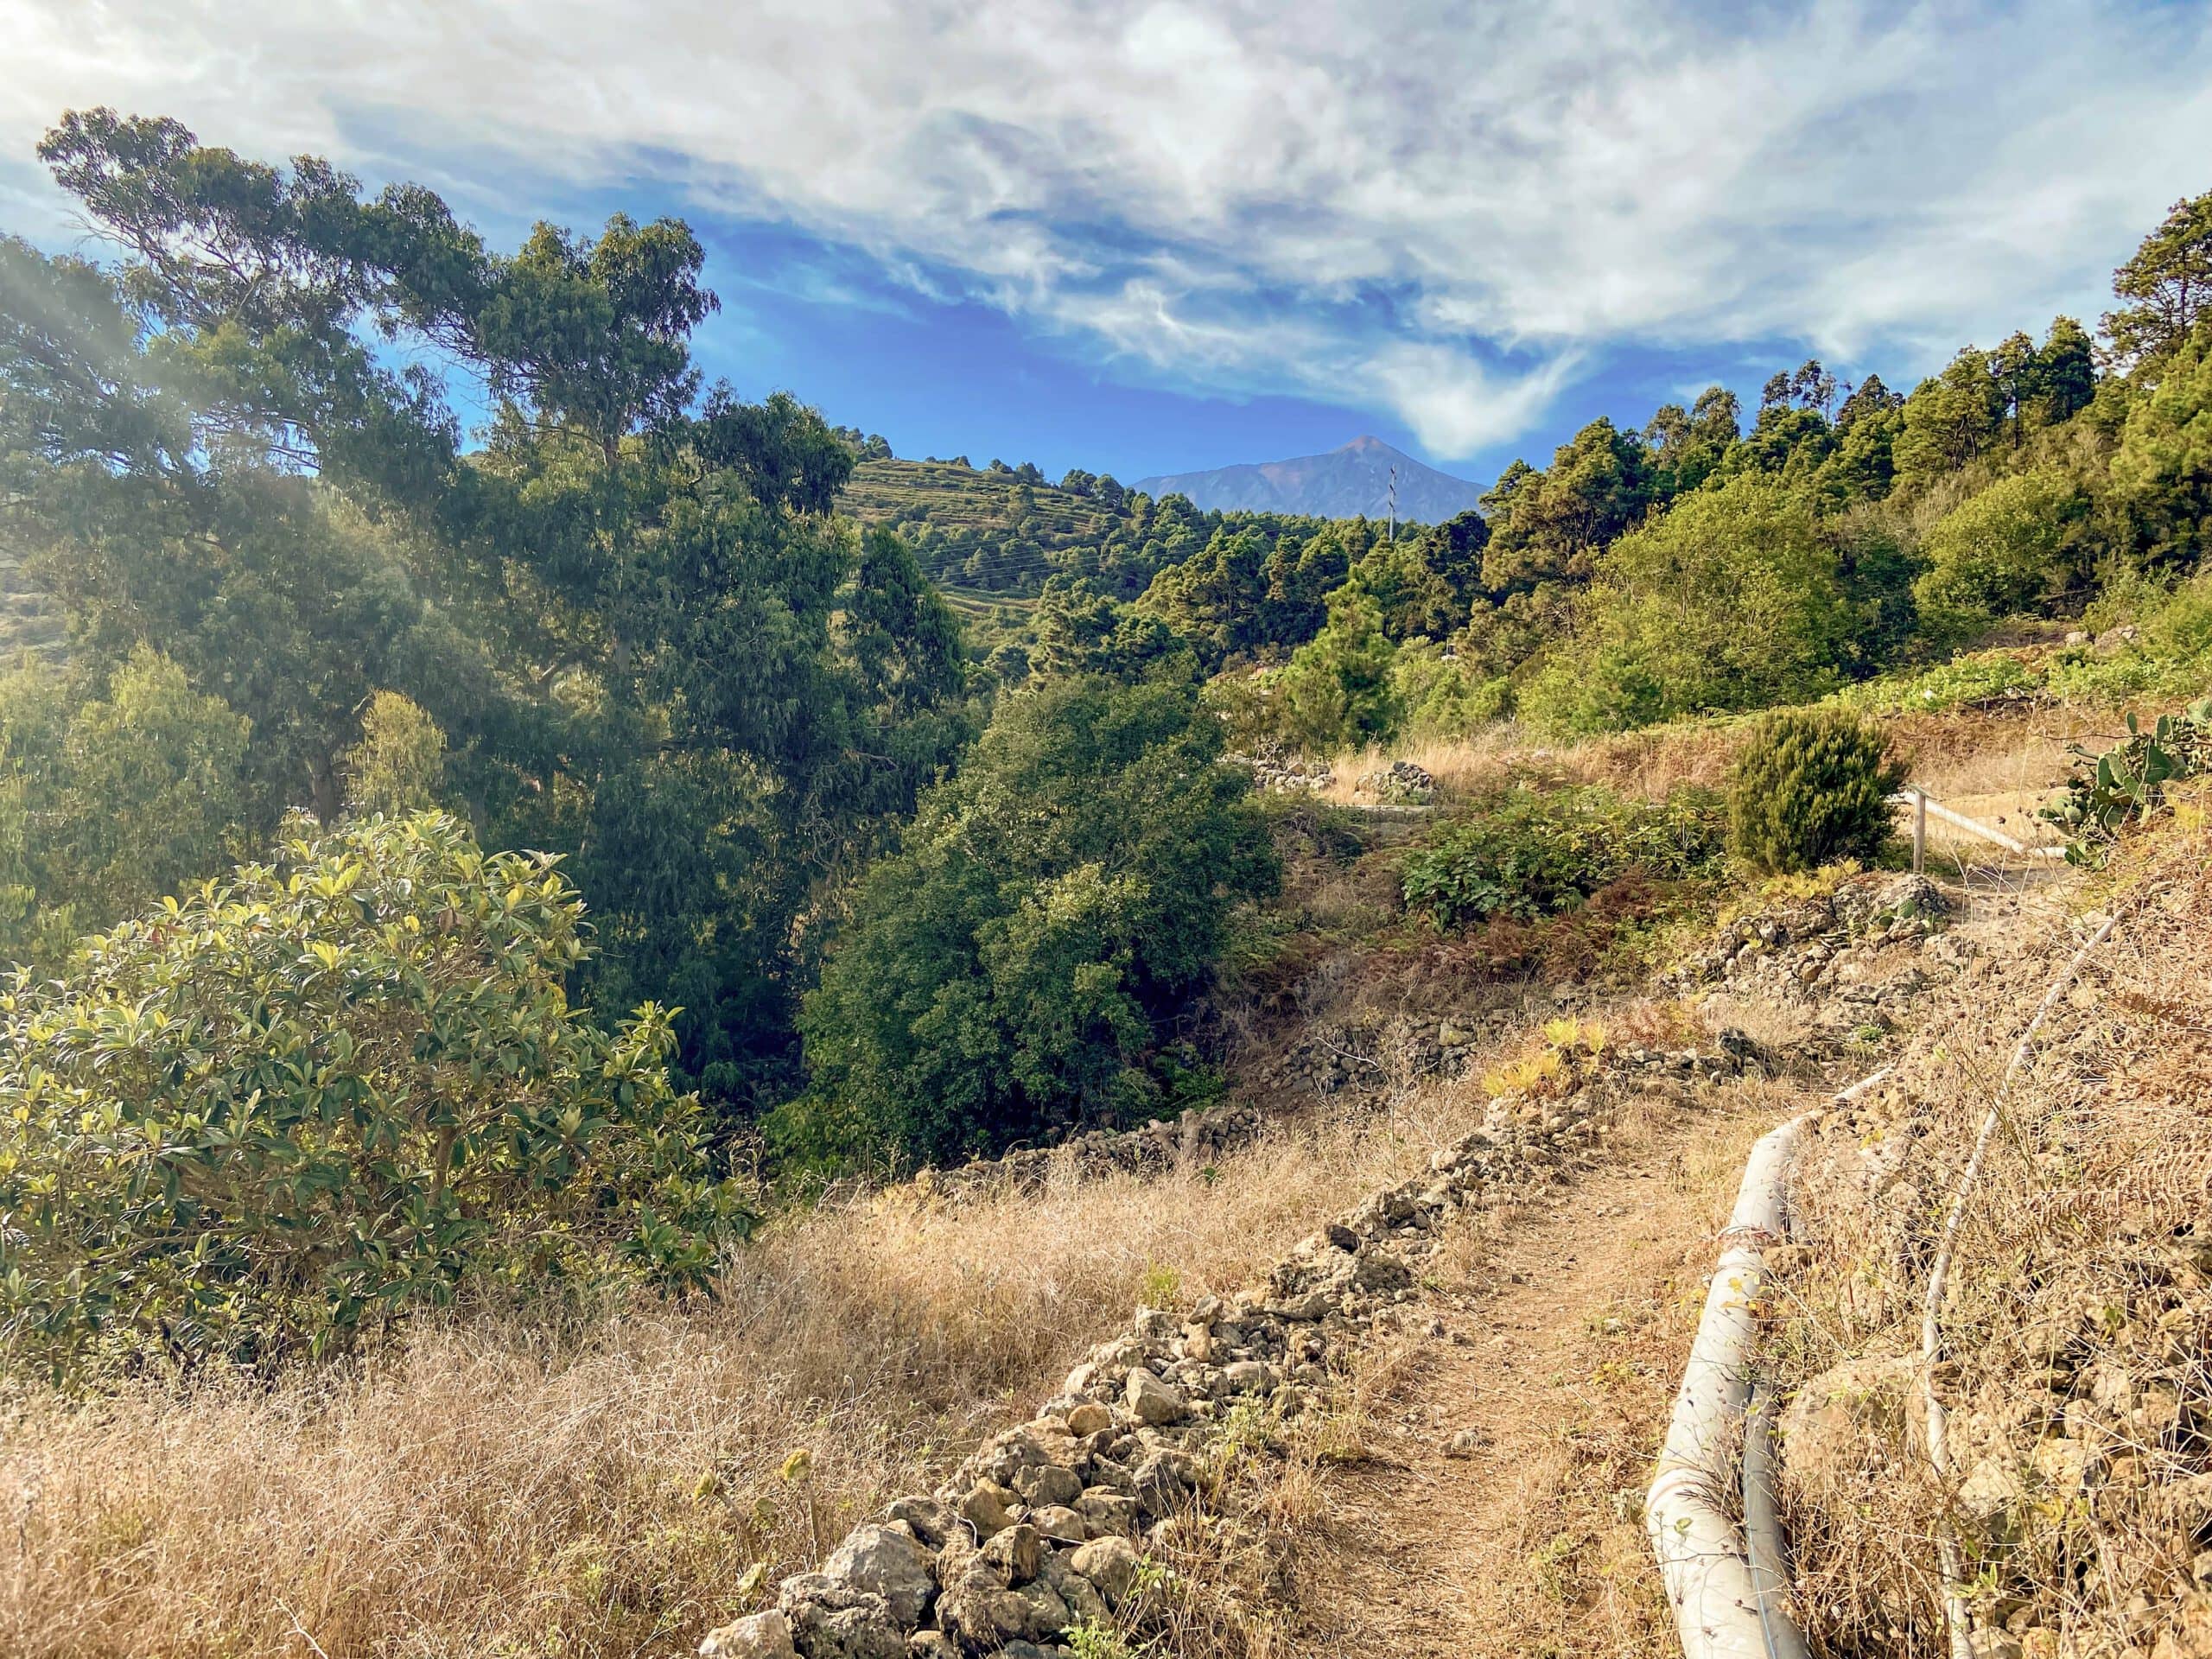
[1956, 754]
[1561, 1315]
[2076, 1366]
[492, 1486]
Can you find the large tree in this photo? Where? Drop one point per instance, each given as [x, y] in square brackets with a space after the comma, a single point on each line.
[1016, 967]
[2164, 289]
[645, 637]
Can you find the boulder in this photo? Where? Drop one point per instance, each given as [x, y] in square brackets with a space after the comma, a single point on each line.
[1150, 1400]
[1058, 1521]
[988, 1508]
[762, 1635]
[1091, 1419]
[830, 1620]
[1047, 1484]
[1107, 1510]
[1249, 1377]
[931, 1522]
[1110, 1563]
[886, 1563]
[1015, 1551]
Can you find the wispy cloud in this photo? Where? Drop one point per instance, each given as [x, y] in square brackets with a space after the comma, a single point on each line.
[1450, 208]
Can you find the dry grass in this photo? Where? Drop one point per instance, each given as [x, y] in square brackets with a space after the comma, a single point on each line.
[1561, 1315]
[2077, 1364]
[1956, 754]
[495, 1487]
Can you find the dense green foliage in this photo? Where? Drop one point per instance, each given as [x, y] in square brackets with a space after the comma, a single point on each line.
[1998, 552]
[110, 797]
[696, 649]
[1812, 787]
[641, 636]
[1529, 852]
[1697, 565]
[1734, 600]
[1001, 530]
[1015, 968]
[294, 1104]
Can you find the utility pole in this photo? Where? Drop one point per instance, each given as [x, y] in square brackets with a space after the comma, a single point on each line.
[1393, 533]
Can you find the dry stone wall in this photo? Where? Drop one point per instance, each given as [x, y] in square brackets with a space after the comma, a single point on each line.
[1046, 1526]
[1046, 1530]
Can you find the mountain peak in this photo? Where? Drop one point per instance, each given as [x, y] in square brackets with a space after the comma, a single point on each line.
[1348, 482]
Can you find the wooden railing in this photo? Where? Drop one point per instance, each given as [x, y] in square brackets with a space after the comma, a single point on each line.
[1924, 805]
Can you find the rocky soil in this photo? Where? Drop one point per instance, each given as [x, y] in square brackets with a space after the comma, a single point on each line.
[1048, 1529]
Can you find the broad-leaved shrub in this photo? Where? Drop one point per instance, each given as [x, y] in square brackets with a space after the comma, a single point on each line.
[290, 1106]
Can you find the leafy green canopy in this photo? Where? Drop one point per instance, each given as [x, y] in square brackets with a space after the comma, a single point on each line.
[642, 638]
[293, 1105]
[1011, 970]
[110, 796]
[1527, 853]
[1997, 552]
[1733, 599]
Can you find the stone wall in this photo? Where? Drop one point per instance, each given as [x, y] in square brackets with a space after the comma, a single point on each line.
[1046, 1526]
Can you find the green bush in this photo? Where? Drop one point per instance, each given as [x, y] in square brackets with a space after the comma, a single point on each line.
[1056, 905]
[1998, 552]
[1441, 696]
[1981, 677]
[1336, 692]
[110, 796]
[1732, 600]
[1527, 853]
[1811, 787]
[294, 1105]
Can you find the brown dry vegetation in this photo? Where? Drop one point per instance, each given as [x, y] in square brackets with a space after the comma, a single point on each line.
[2076, 1366]
[1960, 755]
[1553, 1334]
[494, 1487]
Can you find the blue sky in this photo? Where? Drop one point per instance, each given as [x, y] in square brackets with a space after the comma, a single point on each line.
[1149, 235]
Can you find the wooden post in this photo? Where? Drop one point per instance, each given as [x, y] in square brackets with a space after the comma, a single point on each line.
[1919, 831]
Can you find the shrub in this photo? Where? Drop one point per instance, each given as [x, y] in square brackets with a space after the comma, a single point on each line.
[1336, 691]
[1811, 787]
[1732, 600]
[1056, 904]
[108, 801]
[1986, 677]
[294, 1105]
[1527, 853]
[399, 765]
[1441, 695]
[1997, 552]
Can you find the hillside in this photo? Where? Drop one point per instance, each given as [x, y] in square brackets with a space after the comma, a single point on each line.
[1351, 482]
[29, 619]
[996, 534]
[585, 1072]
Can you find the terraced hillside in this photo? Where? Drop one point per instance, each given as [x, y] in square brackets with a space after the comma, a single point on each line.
[29, 620]
[989, 535]
[996, 532]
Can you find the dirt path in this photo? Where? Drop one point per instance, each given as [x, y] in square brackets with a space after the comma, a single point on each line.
[1496, 1506]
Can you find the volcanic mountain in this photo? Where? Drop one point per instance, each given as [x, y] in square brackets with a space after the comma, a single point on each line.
[1342, 484]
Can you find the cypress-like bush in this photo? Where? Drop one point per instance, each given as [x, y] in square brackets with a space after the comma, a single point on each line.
[1811, 788]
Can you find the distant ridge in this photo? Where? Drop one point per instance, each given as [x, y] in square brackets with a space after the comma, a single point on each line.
[1344, 484]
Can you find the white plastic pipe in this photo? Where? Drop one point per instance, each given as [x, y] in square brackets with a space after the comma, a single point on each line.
[1727, 1584]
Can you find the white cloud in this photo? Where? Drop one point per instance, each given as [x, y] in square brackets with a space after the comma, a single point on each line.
[1263, 195]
